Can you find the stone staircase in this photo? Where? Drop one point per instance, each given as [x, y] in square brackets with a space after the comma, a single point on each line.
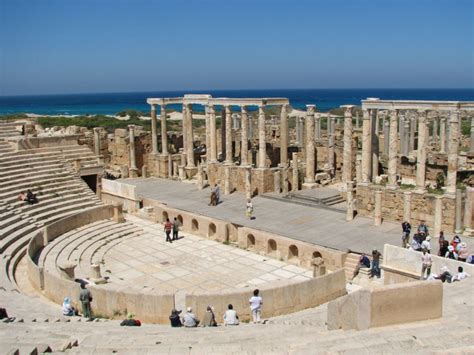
[332, 203]
[8, 129]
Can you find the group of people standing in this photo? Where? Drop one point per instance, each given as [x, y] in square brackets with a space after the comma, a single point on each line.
[172, 227]
[230, 317]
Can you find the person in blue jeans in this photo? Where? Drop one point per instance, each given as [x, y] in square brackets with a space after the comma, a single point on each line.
[363, 262]
[375, 271]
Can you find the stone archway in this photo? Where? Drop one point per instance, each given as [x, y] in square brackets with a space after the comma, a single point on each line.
[271, 246]
[212, 230]
[250, 241]
[292, 252]
[194, 225]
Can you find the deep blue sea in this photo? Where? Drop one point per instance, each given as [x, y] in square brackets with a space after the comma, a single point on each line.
[111, 103]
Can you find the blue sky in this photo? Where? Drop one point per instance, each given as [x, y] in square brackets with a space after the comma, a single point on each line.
[62, 46]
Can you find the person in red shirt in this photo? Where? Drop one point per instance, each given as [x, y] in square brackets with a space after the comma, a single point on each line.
[168, 228]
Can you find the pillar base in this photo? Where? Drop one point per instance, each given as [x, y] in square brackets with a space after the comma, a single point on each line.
[391, 187]
[190, 171]
[133, 172]
[308, 185]
[419, 191]
[468, 232]
[163, 165]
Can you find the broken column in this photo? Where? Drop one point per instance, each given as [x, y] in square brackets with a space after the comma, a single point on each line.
[458, 212]
[377, 208]
[469, 212]
[407, 206]
[310, 156]
[118, 213]
[97, 141]
[350, 201]
[133, 171]
[294, 165]
[95, 275]
[276, 181]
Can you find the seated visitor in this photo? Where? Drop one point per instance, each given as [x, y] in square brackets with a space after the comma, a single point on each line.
[174, 318]
[31, 197]
[470, 259]
[423, 229]
[364, 262]
[445, 275]
[451, 253]
[22, 196]
[463, 252]
[68, 309]
[426, 244]
[230, 316]
[130, 322]
[189, 319]
[209, 318]
[461, 275]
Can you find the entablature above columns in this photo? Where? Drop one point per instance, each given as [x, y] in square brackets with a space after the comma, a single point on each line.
[417, 105]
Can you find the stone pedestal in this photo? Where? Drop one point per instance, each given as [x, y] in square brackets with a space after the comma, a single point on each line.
[458, 213]
[319, 269]
[469, 212]
[162, 161]
[407, 206]
[350, 201]
[95, 275]
[284, 173]
[133, 172]
[277, 181]
[175, 169]
[190, 171]
[118, 213]
[378, 208]
[124, 171]
[66, 270]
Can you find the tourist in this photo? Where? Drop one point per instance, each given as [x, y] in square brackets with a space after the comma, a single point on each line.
[214, 196]
[86, 298]
[230, 316]
[470, 259]
[415, 244]
[406, 227]
[426, 244]
[375, 271]
[455, 242]
[463, 252]
[209, 318]
[441, 241]
[425, 264]
[68, 309]
[31, 197]
[130, 321]
[217, 191]
[364, 262]
[167, 228]
[189, 319]
[249, 209]
[451, 253]
[256, 306]
[174, 318]
[176, 225]
[423, 229]
[22, 196]
[445, 275]
[461, 275]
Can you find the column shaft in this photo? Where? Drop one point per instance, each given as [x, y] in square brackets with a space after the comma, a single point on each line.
[366, 148]
[228, 135]
[412, 133]
[284, 135]
[421, 151]
[212, 128]
[472, 136]
[393, 150]
[317, 126]
[347, 156]
[375, 144]
[208, 133]
[244, 150]
[453, 150]
[131, 135]
[164, 131]
[97, 141]
[442, 135]
[310, 145]
[261, 137]
[189, 136]
[154, 133]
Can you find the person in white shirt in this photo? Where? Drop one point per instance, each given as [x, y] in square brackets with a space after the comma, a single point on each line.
[461, 274]
[426, 244]
[230, 316]
[425, 264]
[256, 306]
[189, 319]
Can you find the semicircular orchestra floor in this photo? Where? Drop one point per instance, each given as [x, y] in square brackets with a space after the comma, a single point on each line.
[190, 264]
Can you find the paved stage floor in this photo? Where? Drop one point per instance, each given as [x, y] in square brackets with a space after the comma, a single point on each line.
[314, 225]
[190, 264]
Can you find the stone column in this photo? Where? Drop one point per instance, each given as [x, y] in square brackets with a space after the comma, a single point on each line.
[118, 213]
[393, 150]
[357, 120]
[421, 152]
[284, 173]
[133, 163]
[386, 136]
[144, 171]
[227, 187]
[458, 212]
[213, 140]
[170, 167]
[407, 206]
[406, 138]
[277, 181]
[189, 136]
[97, 141]
[350, 201]
[294, 180]
[228, 135]
[154, 133]
[235, 122]
[175, 169]
[317, 126]
[310, 156]
[251, 123]
[435, 130]
[261, 137]
[331, 155]
[248, 183]
[438, 216]
[284, 136]
[412, 133]
[164, 131]
[469, 212]
[401, 127]
[378, 208]
[442, 135]
[366, 148]
[297, 131]
[208, 134]
[347, 156]
[185, 128]
[200, 177]
[453, 149]
[375, 144]
[244, 151]
[472, 136]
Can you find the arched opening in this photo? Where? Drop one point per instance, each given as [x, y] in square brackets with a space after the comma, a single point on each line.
[180, 219]
[164, 216]
[317, 254]
[250, 241]
[271, 246]
[212, 230]
[292, 252]
[194, 225]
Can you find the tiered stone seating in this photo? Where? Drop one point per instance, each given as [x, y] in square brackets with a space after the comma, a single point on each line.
[48, 173]
[8, 129]
[85, 245]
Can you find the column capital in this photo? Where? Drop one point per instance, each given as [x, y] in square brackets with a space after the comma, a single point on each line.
[97, 129]
[261, 106]
[131, 127]
[348, 109]
[310, 109]
[365, 114]
[153, 107]
[243, 108]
